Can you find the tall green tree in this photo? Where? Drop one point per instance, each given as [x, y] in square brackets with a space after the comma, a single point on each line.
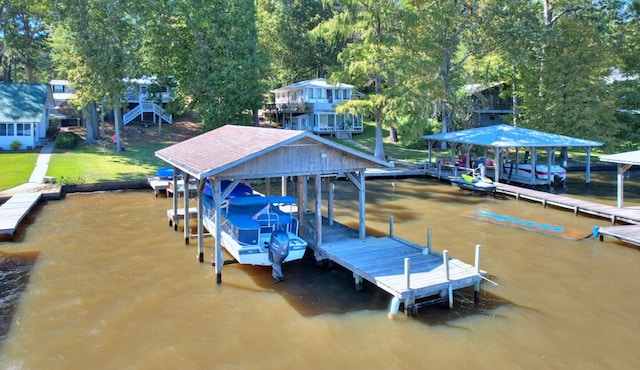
[373, 28]
[294, 53]
[216, 60]
[562, 52]
[102, 41]
[24, 38]
[442, 37]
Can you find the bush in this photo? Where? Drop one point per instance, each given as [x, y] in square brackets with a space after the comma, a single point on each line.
[70, 180]
[15, 145]
[67, 140]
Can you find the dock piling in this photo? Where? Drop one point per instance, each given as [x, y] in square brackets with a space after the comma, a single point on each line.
[476, 290]
[407, 273]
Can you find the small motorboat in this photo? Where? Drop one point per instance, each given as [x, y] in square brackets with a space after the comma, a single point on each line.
[557, 174]
[474, 181]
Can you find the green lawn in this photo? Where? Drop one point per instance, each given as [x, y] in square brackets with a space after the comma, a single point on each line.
[391, 150]
[16, 168]
[96, 163]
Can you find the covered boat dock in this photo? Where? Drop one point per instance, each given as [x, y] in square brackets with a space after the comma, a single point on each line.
[500, 138]
[240, 153]
[627, 233]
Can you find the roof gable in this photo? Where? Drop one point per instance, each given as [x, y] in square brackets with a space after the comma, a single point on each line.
[254, 152]
[505, 136]
[23, 103]
[318, 83]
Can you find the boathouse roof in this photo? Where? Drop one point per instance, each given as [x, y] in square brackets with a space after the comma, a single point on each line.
[506, 136]
[632, 158]
[256, 152]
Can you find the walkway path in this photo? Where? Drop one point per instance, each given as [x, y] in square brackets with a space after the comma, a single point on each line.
[36, 180]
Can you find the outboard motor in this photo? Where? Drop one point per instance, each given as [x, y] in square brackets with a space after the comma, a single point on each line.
[278, 251]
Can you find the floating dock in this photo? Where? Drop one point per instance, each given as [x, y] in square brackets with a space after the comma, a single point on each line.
[414, 275]
[14, 210]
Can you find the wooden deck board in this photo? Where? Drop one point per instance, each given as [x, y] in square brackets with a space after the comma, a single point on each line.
[381, 261]
[13, 211]
[627, 215]
[628, 233]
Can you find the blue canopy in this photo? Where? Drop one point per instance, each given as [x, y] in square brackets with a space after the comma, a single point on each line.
[505, 136]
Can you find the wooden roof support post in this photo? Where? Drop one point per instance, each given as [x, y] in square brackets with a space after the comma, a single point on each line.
[283, 181]
[175, 198]
[588, 169]
[331, 186]
[318, 185]
[201, 184]
[497, 164]
[622, 168]
[218, 246]
[550, 154]
[186, 190]
[358, 182]
[362, 226]
[301, 201]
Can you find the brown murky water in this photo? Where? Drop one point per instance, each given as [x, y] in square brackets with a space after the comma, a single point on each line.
[108, 285]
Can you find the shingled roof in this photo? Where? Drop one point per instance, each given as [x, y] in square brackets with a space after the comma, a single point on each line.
[255, 152]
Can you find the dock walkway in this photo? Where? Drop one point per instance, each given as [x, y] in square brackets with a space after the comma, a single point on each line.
[405, 270]
[15, 209]
[629, 215]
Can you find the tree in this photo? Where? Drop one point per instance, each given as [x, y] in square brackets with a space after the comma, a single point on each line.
[284, 28]
[214, 57]
[373, 29]
[442, 37]
[24, 35]
[562, 52]
[102, 41]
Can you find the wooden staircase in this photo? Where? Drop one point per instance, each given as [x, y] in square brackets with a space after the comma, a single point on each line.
[142, 108]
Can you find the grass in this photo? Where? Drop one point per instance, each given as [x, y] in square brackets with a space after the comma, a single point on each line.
[391, 150]
[16, 168]
[97, 163]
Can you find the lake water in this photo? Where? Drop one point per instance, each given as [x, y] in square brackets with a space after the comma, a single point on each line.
[101, 281]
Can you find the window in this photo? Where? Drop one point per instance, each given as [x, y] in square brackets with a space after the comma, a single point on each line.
[6, 129]
[23, 129]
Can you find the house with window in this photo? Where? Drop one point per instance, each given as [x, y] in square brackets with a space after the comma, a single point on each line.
[24, 114]
[311, 105]
[147, 97]
[491, 105]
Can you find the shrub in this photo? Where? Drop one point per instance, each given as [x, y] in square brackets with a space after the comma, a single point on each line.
[67, 140]
[15, 145]
[70, 180]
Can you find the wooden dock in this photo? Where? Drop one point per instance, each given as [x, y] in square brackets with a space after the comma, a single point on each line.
[175, 217]
[629, 215]
[13, 211]
[414, 275]
[627, 233]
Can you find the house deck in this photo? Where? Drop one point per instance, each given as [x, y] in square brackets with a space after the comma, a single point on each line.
[15, 209]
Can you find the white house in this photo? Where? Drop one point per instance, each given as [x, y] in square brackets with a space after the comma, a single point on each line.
[24, 114]
[311, 105]
[146, 95]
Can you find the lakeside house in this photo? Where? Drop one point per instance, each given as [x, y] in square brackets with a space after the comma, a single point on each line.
[311, 106]
[24, 114]
[490, 105]
[147, 95]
